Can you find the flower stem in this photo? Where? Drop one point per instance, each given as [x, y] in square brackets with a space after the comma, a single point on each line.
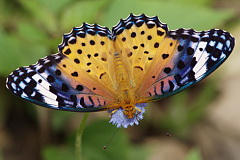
[78, 145]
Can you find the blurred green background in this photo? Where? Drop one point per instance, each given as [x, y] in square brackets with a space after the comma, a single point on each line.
[203, 121]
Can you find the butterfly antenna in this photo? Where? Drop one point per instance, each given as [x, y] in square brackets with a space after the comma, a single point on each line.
[106, 145]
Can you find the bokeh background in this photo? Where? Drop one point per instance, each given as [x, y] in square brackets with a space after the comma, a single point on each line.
[203, 121]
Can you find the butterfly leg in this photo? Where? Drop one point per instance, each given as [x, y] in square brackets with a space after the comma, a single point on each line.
[113, 111]
[139, 110]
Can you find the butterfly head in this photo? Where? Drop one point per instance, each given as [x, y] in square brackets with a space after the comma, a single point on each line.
[131, 110]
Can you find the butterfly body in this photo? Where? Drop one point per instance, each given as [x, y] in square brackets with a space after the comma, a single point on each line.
[138, 62]
[125, 92]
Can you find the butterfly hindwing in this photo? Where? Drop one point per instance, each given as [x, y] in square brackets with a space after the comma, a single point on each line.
[196, 55]
[77, 79]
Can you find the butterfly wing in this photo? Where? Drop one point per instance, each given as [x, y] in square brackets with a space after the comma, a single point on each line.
[196, 55]
[78, 78]
[162, 62]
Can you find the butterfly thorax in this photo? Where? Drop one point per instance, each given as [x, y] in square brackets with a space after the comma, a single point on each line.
[125, 91]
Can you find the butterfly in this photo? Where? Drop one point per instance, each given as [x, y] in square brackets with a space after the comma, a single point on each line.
[119, 71]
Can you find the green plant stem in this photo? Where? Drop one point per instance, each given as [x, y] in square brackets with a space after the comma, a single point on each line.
[78, 151]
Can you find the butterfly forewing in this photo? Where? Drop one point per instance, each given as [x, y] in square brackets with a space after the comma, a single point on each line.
[137, 39]
[79, 78]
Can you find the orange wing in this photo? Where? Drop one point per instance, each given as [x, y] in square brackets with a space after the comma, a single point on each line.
[162, 62]
[79, 78]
